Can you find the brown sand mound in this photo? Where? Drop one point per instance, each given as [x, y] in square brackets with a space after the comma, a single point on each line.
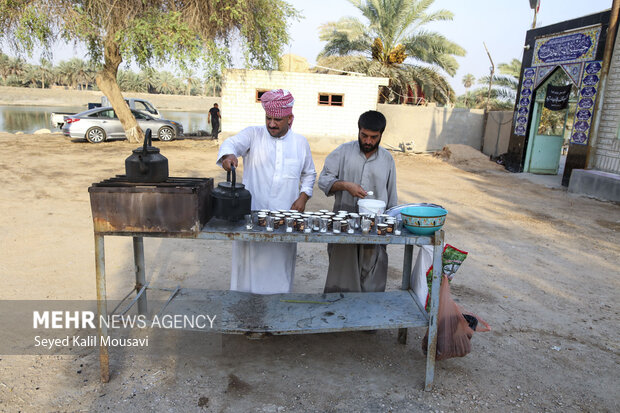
[467, 158]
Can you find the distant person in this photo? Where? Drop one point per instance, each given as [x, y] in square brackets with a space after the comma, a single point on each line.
[350, 171]
[214, 119]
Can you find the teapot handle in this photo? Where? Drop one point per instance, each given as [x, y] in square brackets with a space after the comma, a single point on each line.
[148, 140]
[234, 177]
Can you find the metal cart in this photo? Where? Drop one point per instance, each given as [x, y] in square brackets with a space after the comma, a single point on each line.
[333, 312]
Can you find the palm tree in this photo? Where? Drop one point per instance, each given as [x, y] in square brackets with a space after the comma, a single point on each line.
[468, 81]
[189, 76]
[392, 43]
[213, 83]
[30, 76]
[477, 99]
[15, 66]
[507, 83]
[4, 67]
[148, 77]
[166, 83]
[45, 71]
[65, 74]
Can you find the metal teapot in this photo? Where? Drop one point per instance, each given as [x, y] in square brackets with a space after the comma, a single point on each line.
[231, 200]
[146, 164]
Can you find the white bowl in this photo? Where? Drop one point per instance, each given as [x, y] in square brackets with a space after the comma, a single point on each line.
[371, 206]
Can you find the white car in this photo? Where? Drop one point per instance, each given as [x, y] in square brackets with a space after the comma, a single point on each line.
[97, 125]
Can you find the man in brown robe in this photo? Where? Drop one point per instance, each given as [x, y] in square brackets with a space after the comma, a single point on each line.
[350, 171]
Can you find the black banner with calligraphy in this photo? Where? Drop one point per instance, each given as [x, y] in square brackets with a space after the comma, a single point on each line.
[557, 97]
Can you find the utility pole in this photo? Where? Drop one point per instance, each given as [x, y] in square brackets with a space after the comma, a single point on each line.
[534, 4]
[486, 107]
[492, 69]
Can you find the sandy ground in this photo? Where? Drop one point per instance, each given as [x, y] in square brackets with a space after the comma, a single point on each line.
[542, 270]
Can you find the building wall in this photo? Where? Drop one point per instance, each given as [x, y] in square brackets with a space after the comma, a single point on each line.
[240, 109]
[430, 128]
[607, 149]
[497, 132]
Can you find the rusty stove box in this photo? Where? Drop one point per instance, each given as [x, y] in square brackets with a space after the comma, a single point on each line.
[178, 206]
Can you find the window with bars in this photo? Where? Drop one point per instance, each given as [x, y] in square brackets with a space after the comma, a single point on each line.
[331, 99]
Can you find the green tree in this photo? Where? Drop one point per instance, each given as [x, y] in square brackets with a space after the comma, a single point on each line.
[147, 77]
[4, 67]
[503, 91]
[507, 82]
[468, 81]
[147, 32]
[213, 84]
[45, 71]
[166, 83]
[392, 43]
[65, 74]
[190, 79]
[31, 76]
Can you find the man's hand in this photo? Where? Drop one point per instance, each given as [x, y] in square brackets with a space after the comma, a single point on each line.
[300, 203]
[354, 189]
[228, 160]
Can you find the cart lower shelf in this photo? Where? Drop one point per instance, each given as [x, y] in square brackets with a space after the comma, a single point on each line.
[240, 313]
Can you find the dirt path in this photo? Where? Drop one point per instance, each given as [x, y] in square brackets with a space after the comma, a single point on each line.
[542, 270]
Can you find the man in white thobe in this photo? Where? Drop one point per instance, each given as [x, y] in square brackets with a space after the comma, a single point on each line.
[350, 171]
[279, 173]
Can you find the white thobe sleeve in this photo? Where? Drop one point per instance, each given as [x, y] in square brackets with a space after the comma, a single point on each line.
[237, 145]
[330, 173]
[308, 173]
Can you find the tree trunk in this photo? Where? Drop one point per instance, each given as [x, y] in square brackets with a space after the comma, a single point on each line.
[106, 81]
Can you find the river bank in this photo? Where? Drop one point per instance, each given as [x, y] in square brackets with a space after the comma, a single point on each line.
[21, 96]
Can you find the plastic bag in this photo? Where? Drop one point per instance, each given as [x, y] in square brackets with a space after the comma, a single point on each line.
[418, 275]
[422, 274]
[454, 330]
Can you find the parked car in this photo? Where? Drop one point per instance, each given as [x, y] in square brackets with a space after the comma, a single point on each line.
[144, 106]
[96, 125]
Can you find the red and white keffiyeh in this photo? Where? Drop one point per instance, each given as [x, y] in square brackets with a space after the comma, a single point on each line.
[277, 103]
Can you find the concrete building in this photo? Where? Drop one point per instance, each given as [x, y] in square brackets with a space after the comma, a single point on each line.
[325, 105]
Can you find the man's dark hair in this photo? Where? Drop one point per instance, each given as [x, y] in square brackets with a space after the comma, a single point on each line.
[372, 120]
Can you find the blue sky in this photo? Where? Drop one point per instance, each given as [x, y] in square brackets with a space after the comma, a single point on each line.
[501, 24]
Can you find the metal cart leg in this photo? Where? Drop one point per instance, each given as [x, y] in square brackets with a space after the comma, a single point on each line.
[102, 310]
[406, 284]
[138, 259]
[432, 324]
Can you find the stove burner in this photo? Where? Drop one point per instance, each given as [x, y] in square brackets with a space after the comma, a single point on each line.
[123, 181]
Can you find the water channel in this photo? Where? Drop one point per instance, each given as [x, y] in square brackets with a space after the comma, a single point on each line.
[29, 119]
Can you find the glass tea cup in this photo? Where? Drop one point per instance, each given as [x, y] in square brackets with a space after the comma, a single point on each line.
[351, 229]
[336, 226]
[269, 223]
[398, 227]
[365, 225]
[290, 224]
[316, 223]
[323, 223]
[249, 221]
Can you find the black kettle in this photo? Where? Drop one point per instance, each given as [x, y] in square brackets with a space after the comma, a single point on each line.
[231, 201]
[146, 164]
